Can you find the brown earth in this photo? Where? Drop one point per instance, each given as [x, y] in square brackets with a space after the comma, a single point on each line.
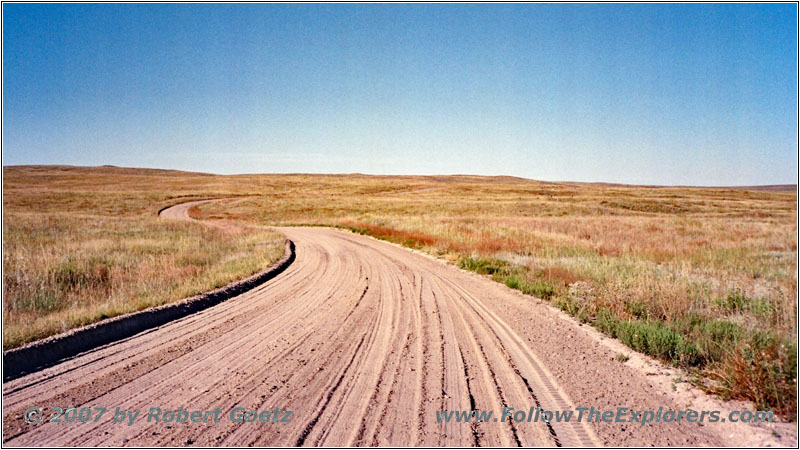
[364, 341]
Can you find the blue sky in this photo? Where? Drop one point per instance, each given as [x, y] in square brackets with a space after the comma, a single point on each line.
[700, 94]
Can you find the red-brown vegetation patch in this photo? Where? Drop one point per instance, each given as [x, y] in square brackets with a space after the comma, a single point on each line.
[406, 237]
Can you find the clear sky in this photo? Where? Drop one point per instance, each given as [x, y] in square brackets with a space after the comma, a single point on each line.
[700, 94]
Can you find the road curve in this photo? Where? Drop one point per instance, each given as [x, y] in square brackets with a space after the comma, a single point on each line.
[180, 211]
[364, 341]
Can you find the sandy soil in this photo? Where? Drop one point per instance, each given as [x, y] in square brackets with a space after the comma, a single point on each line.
[364, 341]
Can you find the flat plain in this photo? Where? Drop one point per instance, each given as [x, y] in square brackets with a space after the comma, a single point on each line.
[701, 278]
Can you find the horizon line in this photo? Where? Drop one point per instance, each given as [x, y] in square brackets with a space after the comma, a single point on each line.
[788, 186]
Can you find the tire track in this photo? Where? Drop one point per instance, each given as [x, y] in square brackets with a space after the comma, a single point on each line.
[310, 426]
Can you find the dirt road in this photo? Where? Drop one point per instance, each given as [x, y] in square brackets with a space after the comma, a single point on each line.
[364, 342]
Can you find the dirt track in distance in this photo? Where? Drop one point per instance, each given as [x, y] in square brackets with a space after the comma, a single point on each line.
[364, 341]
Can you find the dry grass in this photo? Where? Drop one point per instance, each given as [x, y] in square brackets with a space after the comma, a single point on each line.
[702, 278]
[92, 255]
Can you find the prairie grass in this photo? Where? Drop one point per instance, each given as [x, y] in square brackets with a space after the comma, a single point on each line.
[86, 262]
[703, 278]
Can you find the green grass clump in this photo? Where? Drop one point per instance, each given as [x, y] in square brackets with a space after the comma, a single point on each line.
[484, 266]
[538, 288]
[756, 365]
[654, 338]
[712, 338]
[514, 276]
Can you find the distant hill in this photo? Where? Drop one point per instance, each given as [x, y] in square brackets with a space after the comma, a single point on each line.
[463, 178]
[767, 187]
[106, 169]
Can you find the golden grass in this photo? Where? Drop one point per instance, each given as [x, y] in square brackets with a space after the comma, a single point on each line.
[703, 278]
[93, 255]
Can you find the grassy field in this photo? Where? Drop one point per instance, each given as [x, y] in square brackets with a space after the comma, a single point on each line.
[705, 279]
[81, 246]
